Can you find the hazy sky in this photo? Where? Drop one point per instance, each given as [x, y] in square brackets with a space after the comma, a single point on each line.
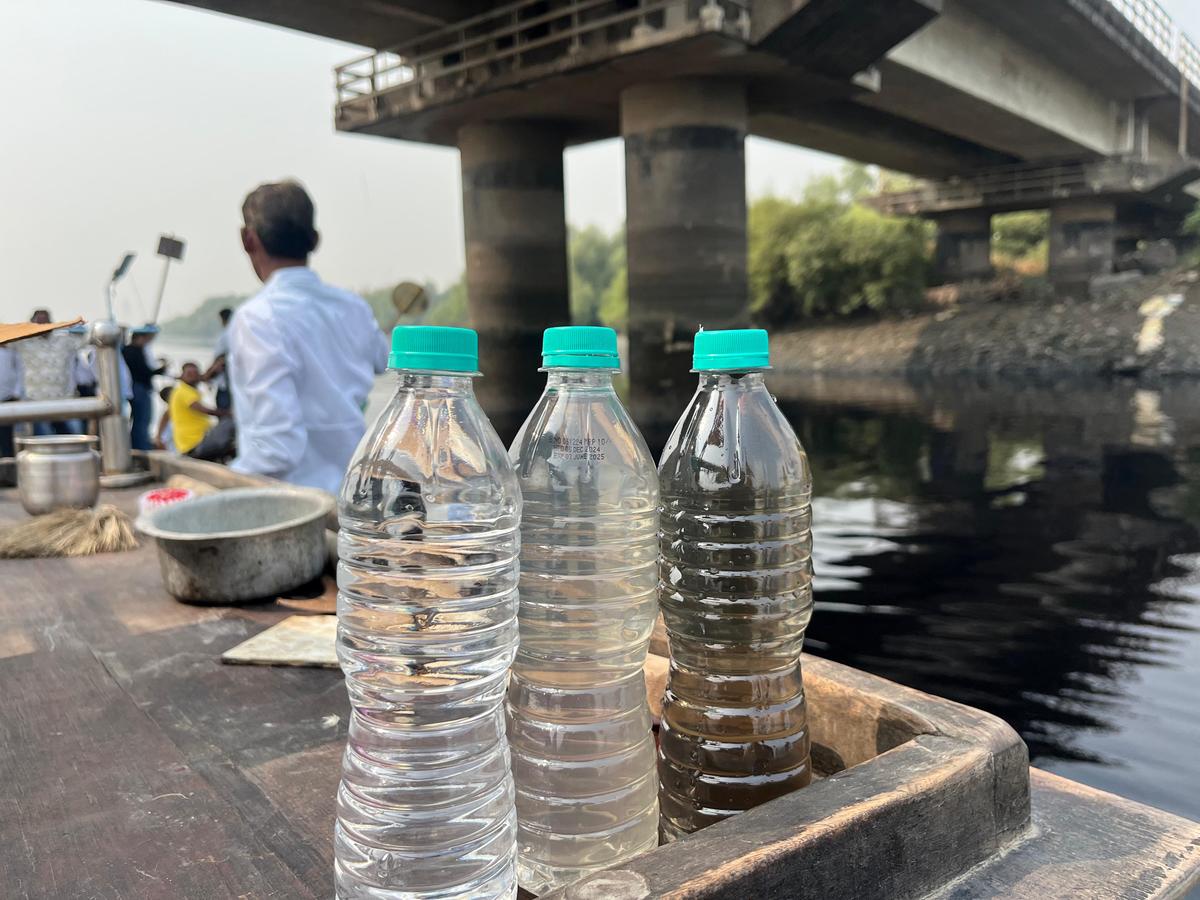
[126, 118]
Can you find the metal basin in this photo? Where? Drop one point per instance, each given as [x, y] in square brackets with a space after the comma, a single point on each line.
[240, 545]
[59, 471]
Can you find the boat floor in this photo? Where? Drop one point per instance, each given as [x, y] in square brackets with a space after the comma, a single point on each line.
[135, 764]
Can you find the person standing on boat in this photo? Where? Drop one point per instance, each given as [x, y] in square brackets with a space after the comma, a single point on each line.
[303, 354]
[12, 387]
[217, 374]
[141, 407]
[49, 363]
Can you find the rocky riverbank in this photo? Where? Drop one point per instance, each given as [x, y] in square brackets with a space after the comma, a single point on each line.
[1148, 328]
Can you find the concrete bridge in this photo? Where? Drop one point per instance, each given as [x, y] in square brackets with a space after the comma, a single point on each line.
[1086, 107]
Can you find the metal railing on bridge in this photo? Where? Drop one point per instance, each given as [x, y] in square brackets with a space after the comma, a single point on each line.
[1156, 25]
[1029, 186]
[504, 40]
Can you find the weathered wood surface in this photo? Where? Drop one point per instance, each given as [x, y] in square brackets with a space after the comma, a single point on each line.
[136, 764]
[1089, 845]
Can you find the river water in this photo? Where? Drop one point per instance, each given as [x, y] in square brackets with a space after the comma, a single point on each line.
[1031, 551]
[1034, 552]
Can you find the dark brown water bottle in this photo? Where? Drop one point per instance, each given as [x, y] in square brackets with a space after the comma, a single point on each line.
[735, 588]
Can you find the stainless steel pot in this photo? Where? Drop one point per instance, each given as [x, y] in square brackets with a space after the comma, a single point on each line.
[56, 472]
[239, 545]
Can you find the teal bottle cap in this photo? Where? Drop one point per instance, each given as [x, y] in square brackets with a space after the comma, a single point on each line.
[434, 348]
[580, 347]
[735, 350]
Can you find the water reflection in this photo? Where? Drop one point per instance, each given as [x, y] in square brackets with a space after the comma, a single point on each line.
[1031, 552]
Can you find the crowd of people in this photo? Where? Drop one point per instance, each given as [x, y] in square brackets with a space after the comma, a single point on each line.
[285, 393]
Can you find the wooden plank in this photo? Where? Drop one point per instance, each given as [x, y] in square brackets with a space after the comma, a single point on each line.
[1089, 845]
[897, 826]
[98, 803]
[233, 712]
[303, 788]
[860, 715]
[232, 721]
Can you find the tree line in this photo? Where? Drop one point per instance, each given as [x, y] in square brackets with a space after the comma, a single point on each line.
[825, 254]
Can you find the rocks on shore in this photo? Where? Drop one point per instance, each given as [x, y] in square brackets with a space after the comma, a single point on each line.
[1144, 327]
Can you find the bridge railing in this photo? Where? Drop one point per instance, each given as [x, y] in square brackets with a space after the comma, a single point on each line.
[999, 186]
[1156, 25]
[1026, 185]
[506, 39]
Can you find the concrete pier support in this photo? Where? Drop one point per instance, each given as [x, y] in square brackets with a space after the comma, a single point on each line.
[1083, 242]
[685, 184]
[515, 225]
[964, 246]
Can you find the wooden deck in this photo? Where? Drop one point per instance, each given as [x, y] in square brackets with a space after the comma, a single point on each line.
[136, 765]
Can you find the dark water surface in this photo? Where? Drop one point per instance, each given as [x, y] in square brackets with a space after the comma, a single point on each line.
[1031, 552]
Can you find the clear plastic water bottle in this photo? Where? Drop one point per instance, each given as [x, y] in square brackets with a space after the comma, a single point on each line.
[579, 724]
[735, 590]
[430, 515]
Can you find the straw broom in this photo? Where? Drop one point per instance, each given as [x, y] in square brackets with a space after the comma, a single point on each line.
[69, 532]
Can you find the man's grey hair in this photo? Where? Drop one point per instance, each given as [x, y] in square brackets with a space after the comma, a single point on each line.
[281, 214]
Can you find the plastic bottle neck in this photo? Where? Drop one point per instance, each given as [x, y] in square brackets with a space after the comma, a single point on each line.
[440, 382]
[713, 381]
[579, 379]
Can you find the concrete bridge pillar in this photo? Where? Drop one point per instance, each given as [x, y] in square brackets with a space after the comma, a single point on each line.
[685, 184]
[1083, 241]
[514, 220]
[964, 246]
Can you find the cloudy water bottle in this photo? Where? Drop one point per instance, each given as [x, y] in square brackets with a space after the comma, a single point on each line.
[735, 590]
[579, 723]
[430, 516]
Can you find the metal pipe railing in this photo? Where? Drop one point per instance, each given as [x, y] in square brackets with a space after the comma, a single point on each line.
[116, 456]
[16, 411]
[495, 42]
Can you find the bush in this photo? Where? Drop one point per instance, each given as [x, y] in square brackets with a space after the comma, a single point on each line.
[450, 306]
[1020, 242]
[597, 277]
[824, 257]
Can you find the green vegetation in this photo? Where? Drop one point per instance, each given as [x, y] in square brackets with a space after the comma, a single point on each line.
[1191, 229]
[598, 277]
[1021, 242]
[824, 255]
[449, 307]
[828, 255]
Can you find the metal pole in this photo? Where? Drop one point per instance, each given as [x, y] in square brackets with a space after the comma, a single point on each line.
[115, 449]
[162, 287]
[1184, 88]
[16, 411]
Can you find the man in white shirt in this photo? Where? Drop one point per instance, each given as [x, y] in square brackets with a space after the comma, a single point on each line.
[302, 354]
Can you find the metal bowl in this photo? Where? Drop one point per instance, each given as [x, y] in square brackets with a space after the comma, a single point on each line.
[240, 545]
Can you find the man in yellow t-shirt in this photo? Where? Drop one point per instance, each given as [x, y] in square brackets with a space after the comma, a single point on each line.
[192, 420]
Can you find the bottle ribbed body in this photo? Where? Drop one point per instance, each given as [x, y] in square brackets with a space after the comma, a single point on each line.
[735, 590]
[579, 724]
[427, 603]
